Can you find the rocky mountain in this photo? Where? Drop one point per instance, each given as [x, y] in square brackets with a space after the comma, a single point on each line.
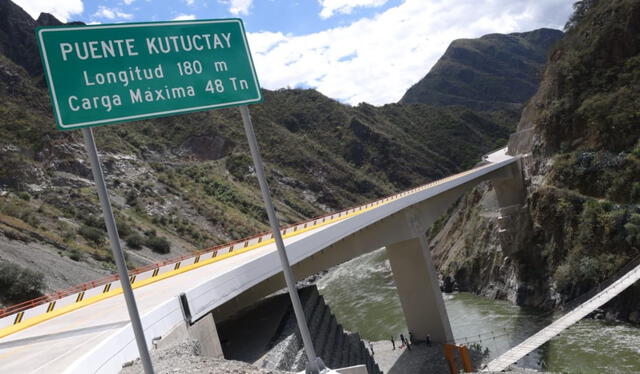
[581, 141]
[493, 72]
[184, 183]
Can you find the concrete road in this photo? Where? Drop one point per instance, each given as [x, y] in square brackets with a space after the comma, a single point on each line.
[51, 346]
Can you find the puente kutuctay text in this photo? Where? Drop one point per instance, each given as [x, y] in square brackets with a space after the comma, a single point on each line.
[86, 329]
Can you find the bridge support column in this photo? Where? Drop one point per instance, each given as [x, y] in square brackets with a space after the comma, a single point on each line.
[419, 290]
[510, 188]
[510, 194]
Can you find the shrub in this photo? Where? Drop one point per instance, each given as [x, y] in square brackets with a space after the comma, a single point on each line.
[75, 255]
[94, 221]
[158, 244]
[134, 240]
[24, 195]
[239, 165]
[68, 235]
[103, 256]
[124, 229]
[15, 235]
[132, 199]
[30, 218]
[633, 230]
[92, 234]
[18, 284]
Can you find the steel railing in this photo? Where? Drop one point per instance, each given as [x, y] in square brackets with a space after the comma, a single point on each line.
[287, 229]
[624, 269]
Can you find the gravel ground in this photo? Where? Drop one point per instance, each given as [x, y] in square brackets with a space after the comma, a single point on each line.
[517, 370]
[59, 270]
[420, 360]
[185, 358]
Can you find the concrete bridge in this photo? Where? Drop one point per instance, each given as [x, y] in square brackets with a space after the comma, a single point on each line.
[86, 329]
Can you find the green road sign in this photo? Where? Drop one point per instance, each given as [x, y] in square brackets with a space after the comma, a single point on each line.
[106, 74]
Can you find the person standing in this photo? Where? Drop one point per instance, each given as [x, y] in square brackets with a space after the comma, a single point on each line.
[393, 343]
[405, 342]
[371, 348]
[428, 340]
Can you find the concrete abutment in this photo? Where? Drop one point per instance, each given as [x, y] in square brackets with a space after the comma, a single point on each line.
[203, 331]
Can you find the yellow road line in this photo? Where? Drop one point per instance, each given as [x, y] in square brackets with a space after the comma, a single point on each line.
[179, 270]
[92, 300]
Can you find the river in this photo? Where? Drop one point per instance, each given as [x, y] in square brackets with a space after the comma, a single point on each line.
[362, 295]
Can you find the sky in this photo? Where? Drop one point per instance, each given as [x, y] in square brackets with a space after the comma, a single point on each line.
[351, 50]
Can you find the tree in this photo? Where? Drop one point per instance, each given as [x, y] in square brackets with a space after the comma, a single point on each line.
[633, 230]
[580, 9]
[18, 284]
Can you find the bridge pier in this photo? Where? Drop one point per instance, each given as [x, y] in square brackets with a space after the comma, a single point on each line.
[419, 290]
[401, 226]
[509, 187]
[510, 193]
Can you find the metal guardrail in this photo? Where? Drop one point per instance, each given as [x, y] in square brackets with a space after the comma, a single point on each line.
[52, 297]
[114, 277]
[27, 309]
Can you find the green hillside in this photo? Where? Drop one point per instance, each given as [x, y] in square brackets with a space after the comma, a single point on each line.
[184, 183]
[581, 221]
[493, 72]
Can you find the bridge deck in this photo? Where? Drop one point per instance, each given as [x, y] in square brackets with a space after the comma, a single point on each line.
[516, 353]
[101, 330]
[54, 345]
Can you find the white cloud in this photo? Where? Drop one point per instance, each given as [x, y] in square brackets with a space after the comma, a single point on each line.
[128, 2]
[262, 42]
[238, 7]
[62, 9]
[185, 17]
[189, 2]
[346, 6]
[377, 59]
[111, 13]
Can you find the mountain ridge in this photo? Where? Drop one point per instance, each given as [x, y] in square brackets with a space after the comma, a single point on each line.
[495, 71]
[183, 183]
[579, 137]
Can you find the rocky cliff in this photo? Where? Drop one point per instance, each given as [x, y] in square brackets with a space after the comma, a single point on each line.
[580, 138]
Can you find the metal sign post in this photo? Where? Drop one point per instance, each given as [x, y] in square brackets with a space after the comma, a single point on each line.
[116, 249]
[315, 364]
[105, 74]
